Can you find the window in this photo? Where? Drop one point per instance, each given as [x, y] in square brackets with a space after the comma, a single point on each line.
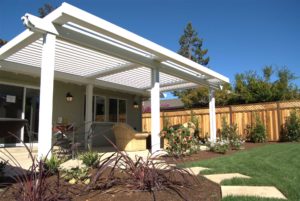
[99, 108]
[117, 110]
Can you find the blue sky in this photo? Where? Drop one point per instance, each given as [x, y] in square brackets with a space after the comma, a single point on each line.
[240, 35]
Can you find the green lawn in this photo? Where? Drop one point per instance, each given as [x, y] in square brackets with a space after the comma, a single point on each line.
[272, 165]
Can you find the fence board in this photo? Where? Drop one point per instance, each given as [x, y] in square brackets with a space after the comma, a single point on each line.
[273, 115]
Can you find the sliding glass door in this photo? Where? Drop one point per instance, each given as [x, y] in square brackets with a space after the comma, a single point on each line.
[20, 103]
[117, 110]
[32, 106]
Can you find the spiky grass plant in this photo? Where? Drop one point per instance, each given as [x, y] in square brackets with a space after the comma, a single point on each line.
[32, 184]
[140, 174]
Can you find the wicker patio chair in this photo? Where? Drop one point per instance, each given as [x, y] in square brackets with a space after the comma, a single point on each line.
[127, 139]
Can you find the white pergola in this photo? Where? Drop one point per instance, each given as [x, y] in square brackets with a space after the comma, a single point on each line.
[75, 46]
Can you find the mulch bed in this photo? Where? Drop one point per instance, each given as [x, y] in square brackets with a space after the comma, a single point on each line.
[204, 155]
[202, 190]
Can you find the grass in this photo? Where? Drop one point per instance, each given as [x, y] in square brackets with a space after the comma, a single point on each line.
[231, 198]
[272, 165]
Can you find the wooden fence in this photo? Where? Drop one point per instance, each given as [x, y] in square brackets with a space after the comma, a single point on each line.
[272, 114]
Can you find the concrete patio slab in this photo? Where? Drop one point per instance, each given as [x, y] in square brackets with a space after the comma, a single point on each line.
[218, 178]
[257, 191]
[196, 170]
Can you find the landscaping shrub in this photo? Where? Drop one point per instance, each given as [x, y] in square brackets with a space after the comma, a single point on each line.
[257, 132]
[195, 121]
[52, 164]
[3, 165]
[291, 129]
[180, 141]
[33, 184]
[230, 133]
[90, 159]
[77, 175]
[220, 146]
[141, 174]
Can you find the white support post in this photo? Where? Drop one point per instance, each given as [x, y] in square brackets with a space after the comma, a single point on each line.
[88, 114]
[46, 96]
[212, 115]
[23, 113]
[155, 111]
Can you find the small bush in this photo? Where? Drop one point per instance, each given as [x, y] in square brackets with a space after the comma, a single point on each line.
[180, 141]
[77, 175]
[195, 121]
[257, 133]
[3, 165]
[52, 164]
[90, 159]
[230, 133]
[291, 129]
[33, 184]
[220, 146]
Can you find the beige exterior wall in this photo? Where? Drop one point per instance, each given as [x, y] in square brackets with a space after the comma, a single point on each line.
[74, 111]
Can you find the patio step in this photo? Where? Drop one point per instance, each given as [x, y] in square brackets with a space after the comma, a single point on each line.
[256, 191]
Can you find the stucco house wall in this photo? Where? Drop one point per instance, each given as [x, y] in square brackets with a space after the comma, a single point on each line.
[74, 111]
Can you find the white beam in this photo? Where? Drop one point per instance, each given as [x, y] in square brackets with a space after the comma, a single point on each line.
[46, 96]
[155, 111]
[88, 114]
[114, 70]
[212, 115]
[170, 84]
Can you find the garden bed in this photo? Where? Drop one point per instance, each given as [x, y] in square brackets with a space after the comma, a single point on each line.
[201, 190]
[204, 155]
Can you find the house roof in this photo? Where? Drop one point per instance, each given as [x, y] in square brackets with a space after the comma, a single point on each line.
[92, 50]
[164, 104]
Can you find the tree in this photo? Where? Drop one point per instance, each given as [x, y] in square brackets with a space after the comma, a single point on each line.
[2, 42]
[45, 10]
[191, 46]
[252, 88]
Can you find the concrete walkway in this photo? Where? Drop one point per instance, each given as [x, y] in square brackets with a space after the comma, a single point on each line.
[218, 178]
[255, 191]
[21, 161]
[196, 170]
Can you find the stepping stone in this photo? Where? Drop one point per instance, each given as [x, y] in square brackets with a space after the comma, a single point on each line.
[218, 178]
[257, 191]
[196, 170]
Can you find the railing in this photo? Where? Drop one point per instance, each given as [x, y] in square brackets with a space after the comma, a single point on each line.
[272, 114]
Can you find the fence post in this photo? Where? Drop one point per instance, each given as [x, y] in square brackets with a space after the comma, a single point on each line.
[230, 115]
[278, 119]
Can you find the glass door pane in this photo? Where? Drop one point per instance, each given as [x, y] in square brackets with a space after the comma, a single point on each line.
[11, 106]
[99, 108]
[32, 114]
[122, 111]
[113, 110]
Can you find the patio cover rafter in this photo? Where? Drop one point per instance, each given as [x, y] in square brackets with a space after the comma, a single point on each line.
[115, 70]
